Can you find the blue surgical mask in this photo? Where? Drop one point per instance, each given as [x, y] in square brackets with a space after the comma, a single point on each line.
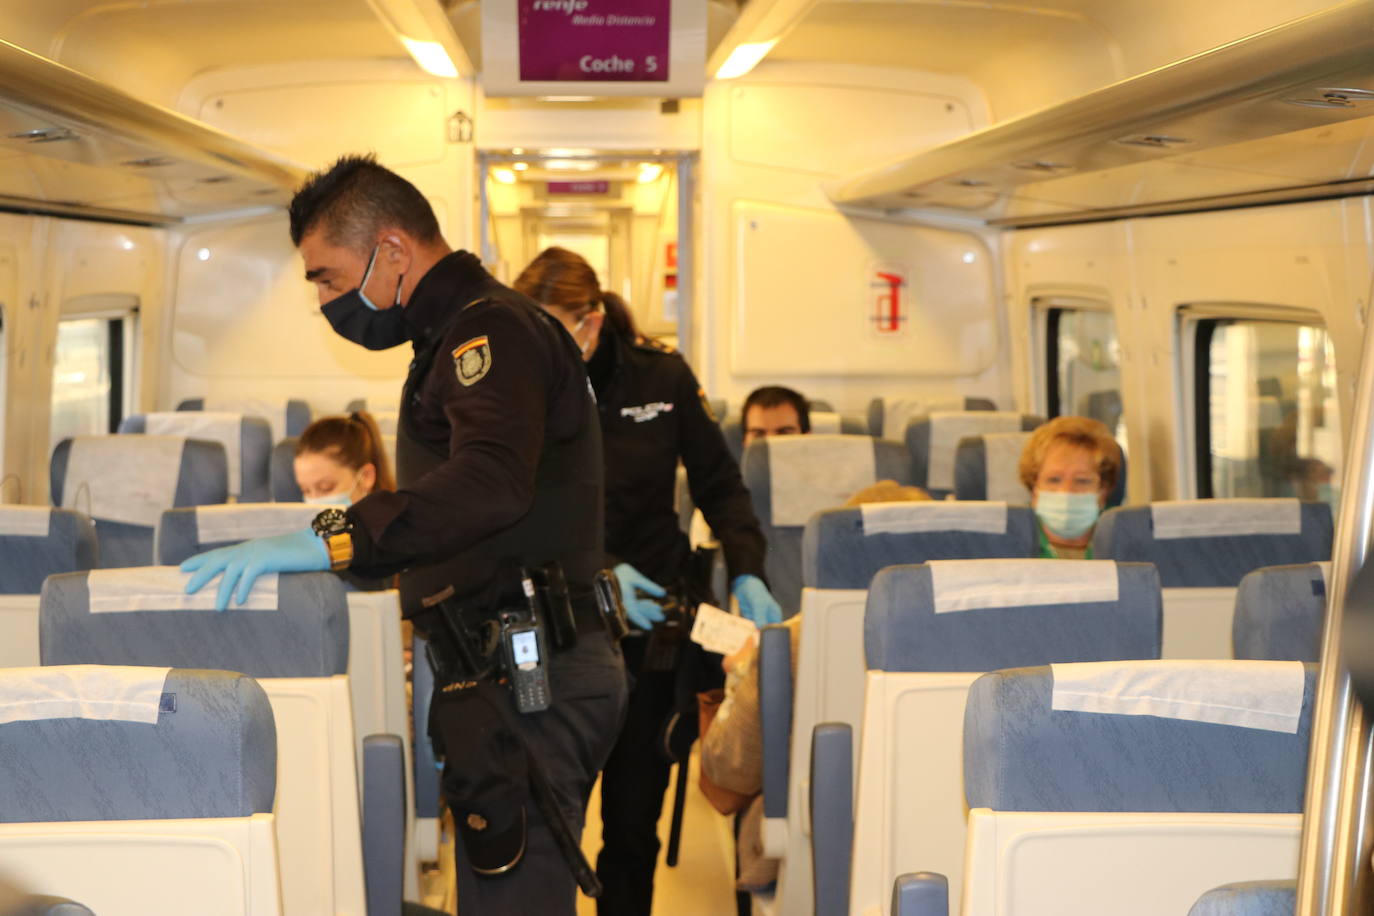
[1067, 515]
[343, 500]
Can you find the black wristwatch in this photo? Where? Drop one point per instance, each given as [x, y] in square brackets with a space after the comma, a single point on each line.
[337, 531]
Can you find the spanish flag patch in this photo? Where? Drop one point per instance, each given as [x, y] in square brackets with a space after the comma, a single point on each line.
[472, 360]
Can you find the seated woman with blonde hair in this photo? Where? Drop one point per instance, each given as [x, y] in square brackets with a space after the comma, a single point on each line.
[1070, 465]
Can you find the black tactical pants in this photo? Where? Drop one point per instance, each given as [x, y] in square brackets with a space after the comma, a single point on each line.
[632, 789]
[571, 740]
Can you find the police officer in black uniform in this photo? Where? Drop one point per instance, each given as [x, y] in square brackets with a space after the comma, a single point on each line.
[499, 466]
[653, 414]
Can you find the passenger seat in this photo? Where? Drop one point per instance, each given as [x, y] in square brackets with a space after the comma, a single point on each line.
[35, 542]
[1203, 548]
[247, 442]
[140, 790]
[934, 438]
[125, 482]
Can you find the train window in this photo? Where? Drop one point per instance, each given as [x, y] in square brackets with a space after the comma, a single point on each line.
[1266, 415]
[89, 377]
[1083, 367]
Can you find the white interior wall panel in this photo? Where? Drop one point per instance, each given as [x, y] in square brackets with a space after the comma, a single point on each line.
[247, 324]
[786, 297]
[818, 312]
[1314, 256]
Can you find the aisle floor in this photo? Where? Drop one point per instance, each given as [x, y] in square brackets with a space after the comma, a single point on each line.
[703, 882]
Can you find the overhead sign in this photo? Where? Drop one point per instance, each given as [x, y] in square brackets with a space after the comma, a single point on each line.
[567, 48]
[579, 187]
[594, 40]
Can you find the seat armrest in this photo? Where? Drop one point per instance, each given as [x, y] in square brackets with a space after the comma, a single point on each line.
[775, 717]
[384, 822]
[921, 893]
[832, 815]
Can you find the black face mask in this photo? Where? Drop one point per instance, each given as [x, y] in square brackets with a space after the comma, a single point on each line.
[354, 317]
[377, 329]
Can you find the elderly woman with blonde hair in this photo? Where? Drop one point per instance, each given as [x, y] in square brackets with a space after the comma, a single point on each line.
[1070, 465]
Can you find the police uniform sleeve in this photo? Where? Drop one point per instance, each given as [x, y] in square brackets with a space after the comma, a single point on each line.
[713, 478]
[495, 401]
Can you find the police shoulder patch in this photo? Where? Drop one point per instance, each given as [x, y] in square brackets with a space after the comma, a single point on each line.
[472, 360]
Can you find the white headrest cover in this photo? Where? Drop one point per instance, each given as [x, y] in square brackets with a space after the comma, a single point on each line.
[947, 428]
[1325, 567]
[25, 521]
[1003, 454]
[825, 423]
[935, 515]
[274, 412]
[1200, 518]
[128, 479]
[241, 521]
[811, 473]
[163, 588]
[1248, 694]
[898, 412]
[964, 585]
[224, 428]
[103, 692]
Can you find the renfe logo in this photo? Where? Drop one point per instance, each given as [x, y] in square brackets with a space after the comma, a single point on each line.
[566, 6]
[594, 40]
[887, 305]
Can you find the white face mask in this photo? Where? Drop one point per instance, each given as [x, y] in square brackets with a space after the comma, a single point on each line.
[333, 499]
[1067, 515]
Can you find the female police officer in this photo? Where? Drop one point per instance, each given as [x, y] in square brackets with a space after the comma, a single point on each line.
[499, 457]
[653, 414]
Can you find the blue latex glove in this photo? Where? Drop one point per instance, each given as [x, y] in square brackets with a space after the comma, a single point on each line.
[299, 551]
[642, 612]
[755, 600]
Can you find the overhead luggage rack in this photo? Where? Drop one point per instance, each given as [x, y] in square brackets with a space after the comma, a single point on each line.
[76, 147]
[1234, 126]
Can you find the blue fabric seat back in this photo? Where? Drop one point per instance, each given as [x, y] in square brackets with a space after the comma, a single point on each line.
[837, 551]
[284, 486]
[1020, 755]
[296, 415]
[1217, 560]
[183, 533]
[905, 628]
[1280, 613]
[933, 441]
[1249, 898]
[211, 753]
[254, 458]
[812, 473]
[306, 636]
[37, 542]
[202, 479]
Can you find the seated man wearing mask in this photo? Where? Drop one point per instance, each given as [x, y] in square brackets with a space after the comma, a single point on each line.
[1070, 465]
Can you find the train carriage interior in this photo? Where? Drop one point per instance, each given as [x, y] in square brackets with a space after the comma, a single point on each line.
[950, 224]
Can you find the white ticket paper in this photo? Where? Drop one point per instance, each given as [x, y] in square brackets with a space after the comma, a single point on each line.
[719, 632]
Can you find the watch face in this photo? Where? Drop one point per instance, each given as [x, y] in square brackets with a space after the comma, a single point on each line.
[330, 522]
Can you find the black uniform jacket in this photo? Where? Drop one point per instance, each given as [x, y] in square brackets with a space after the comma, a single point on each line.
[496, 399]
[653, 412]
